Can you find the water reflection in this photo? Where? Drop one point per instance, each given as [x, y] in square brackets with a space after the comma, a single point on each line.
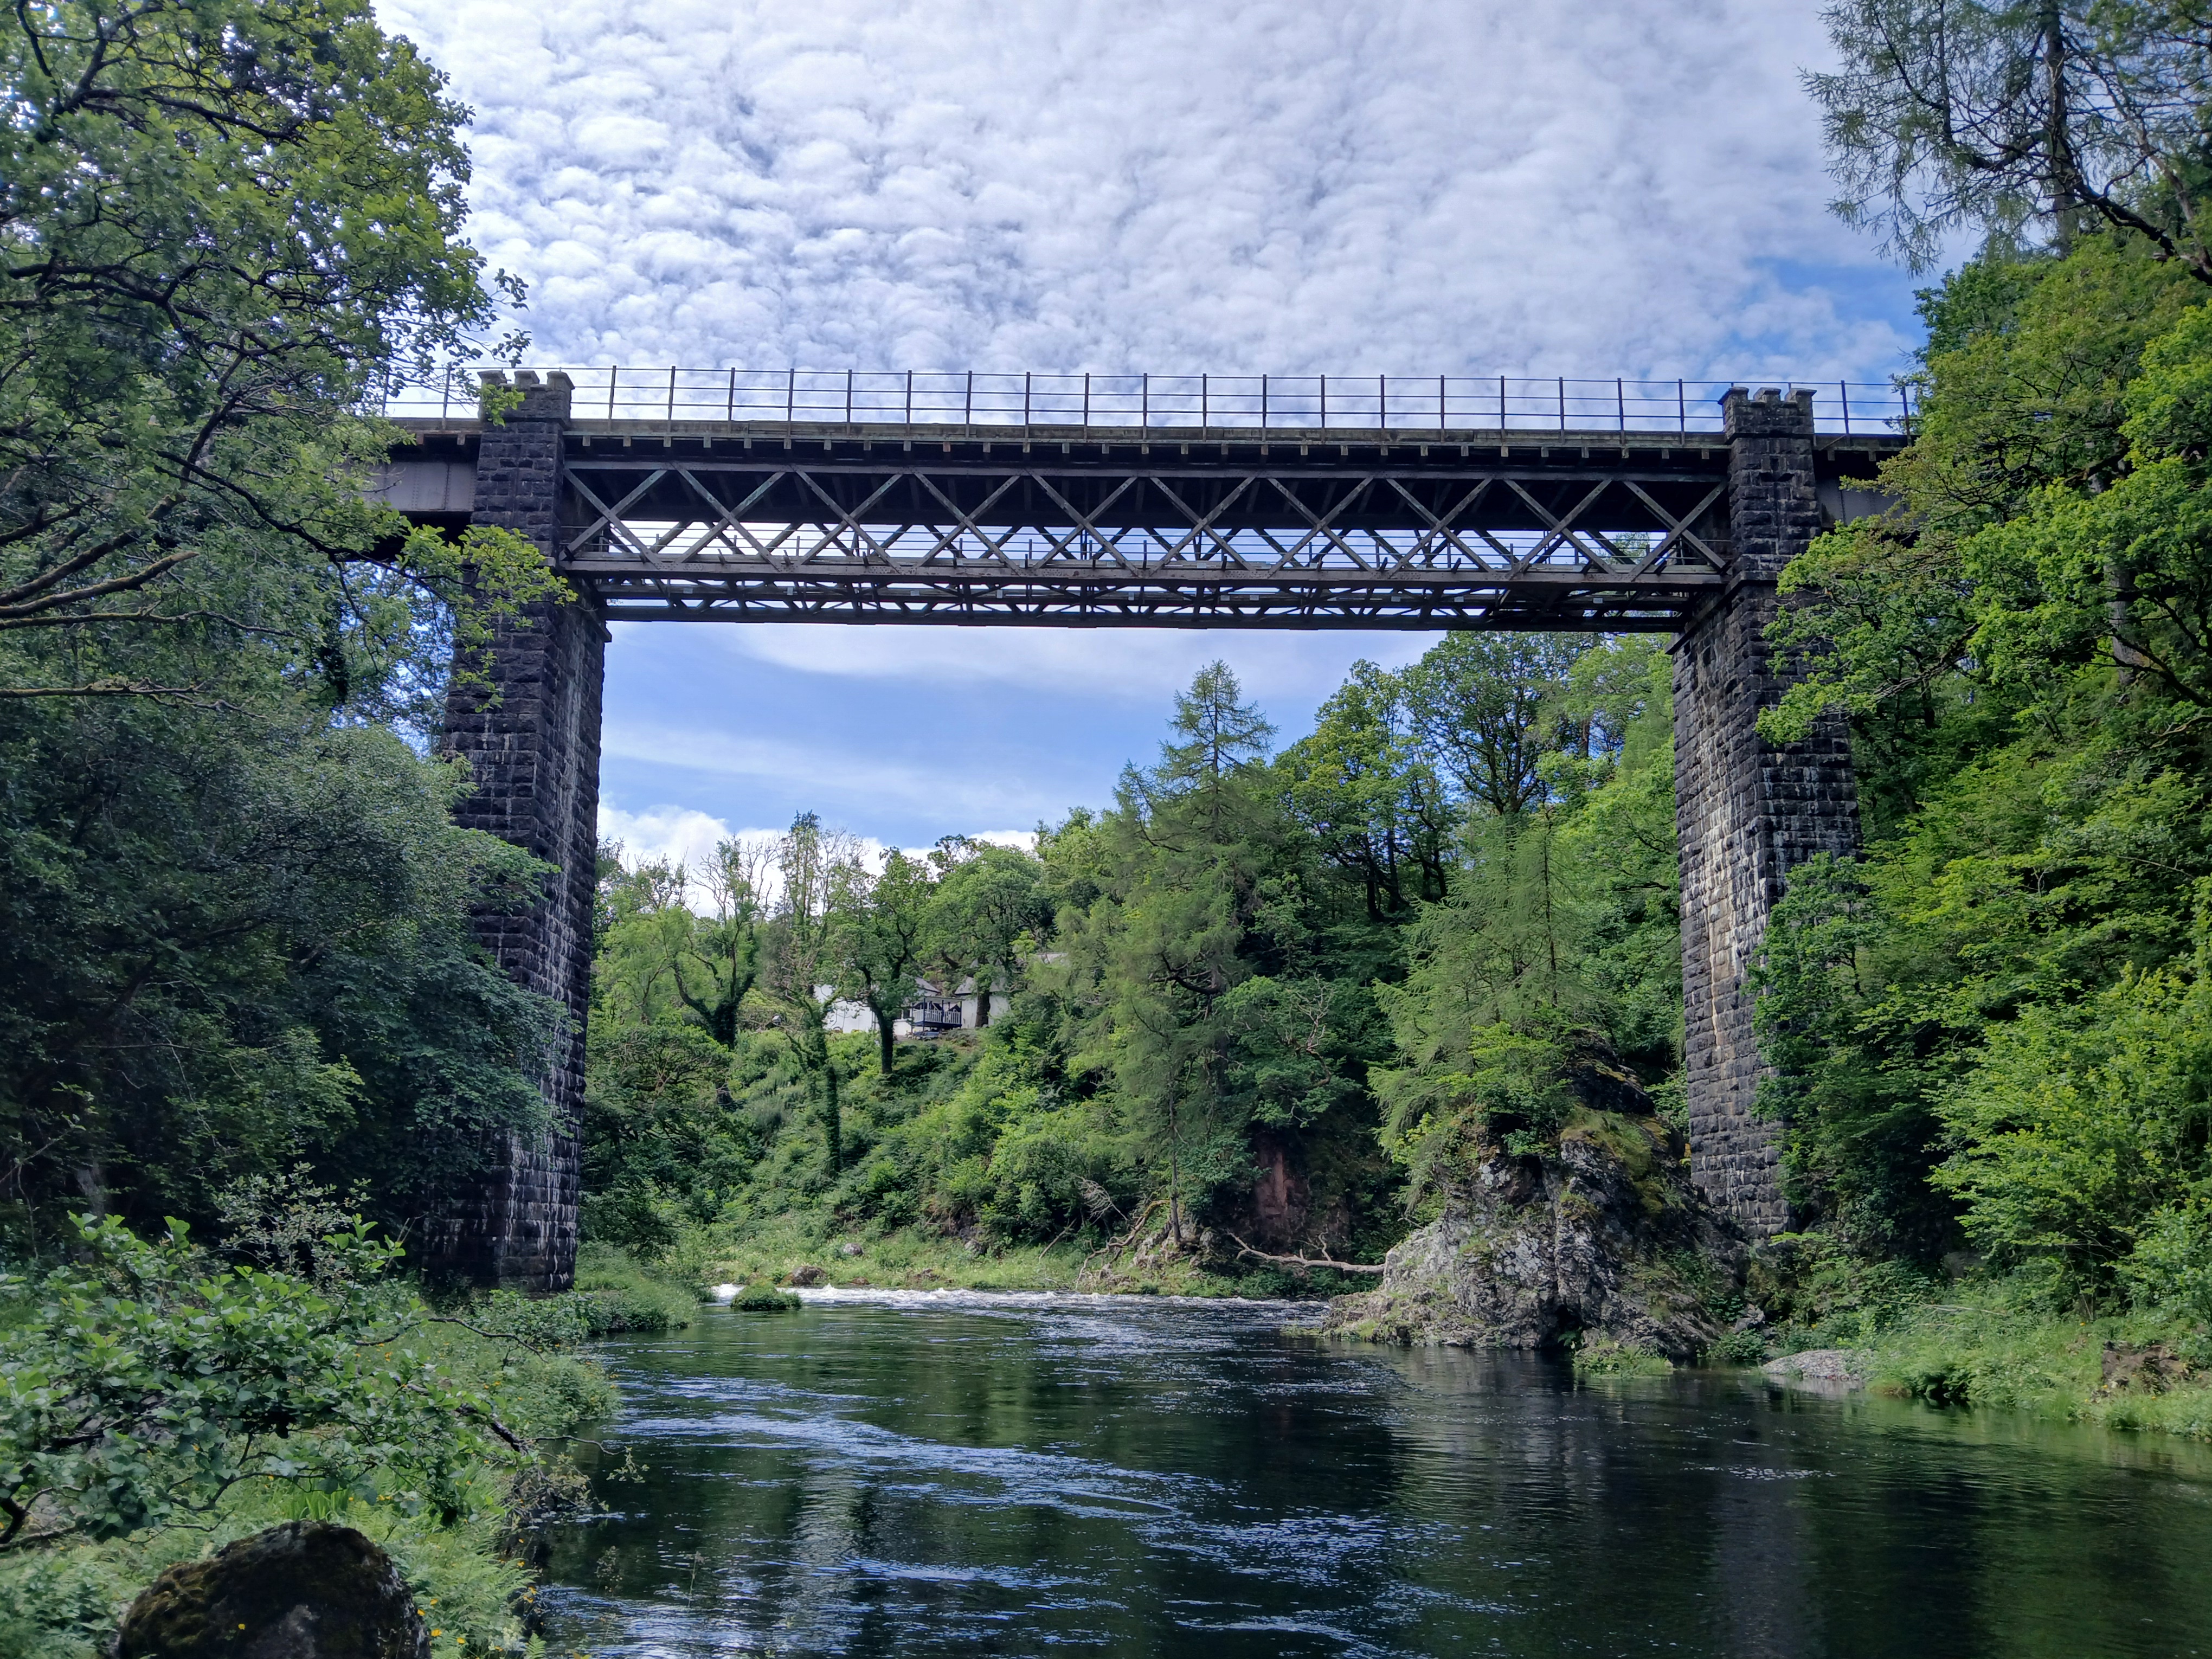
[925, 1474]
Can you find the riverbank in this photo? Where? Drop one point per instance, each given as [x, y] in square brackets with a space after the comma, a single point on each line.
[1984, 1346]
[1981, 1348]
[804, 1247]
[466, 1535]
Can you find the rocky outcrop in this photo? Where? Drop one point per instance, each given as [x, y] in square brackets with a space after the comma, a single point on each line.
[2151, 1370]
[304, 1590]
[1827, 1370]
[1603, 1237]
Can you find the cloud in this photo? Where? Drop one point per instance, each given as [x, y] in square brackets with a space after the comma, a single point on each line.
[838, 780]
[1429, 185]
[670, 834]
[1141, 667]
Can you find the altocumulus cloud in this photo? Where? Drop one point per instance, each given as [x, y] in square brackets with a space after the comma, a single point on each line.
[1462, 186]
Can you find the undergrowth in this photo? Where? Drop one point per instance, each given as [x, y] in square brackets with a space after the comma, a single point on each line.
[1987, 1345]
[63, 1600]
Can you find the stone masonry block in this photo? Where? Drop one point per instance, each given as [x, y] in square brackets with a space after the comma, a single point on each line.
[533, 746]
[1747, 811]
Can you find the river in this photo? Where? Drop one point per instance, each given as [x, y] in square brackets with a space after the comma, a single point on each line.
[917, 1474]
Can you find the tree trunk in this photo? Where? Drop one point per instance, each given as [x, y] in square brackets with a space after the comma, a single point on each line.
[1174, 1175]
[2058, 139]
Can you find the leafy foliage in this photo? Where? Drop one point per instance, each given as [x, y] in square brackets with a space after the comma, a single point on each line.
[2023, 120]
[2084, 1130]
[1986, 1031]
[235, 929]
[1197, 978]
[221, 226]
[1552, 972]
[138, 1388]
[228, 944]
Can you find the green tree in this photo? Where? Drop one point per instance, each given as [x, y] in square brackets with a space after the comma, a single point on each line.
[2026, 414]
[1552, 974]
[232, 941]
[2084, 1133]
[813, 866]
[236, 914]
[1485, 708]
[717, 959]
[1361, 784]
[223, 227]
[1194, 985]
[640, 924]
[2031, 121]
[882, 920]
[985, 911]
[664, 1138]
[1220, 741]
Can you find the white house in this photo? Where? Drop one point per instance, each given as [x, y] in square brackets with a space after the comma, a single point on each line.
[932, 1012]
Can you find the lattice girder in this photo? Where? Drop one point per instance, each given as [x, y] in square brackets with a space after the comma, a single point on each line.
[1144, 539]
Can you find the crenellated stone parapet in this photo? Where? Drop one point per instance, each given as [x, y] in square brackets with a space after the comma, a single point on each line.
[533, 743]
[1747, 811]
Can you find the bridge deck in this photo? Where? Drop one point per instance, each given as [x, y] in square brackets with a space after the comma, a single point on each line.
[1089, 526]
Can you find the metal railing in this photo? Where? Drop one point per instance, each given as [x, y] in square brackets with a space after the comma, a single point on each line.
[972, 400]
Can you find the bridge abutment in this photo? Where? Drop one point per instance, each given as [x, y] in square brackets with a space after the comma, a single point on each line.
[1747, 811]
[532, 739]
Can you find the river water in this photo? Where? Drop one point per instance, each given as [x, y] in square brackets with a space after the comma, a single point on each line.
[918, 1474]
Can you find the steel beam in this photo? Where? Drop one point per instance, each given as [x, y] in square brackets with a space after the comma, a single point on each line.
[1071, 527]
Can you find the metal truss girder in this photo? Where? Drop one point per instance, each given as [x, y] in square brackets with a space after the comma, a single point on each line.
[1164, 495]
[906, 538]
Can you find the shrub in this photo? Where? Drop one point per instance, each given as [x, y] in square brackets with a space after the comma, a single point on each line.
[763, 1298]
[1604, 1356]
[2082, 1129]
[1737, 1348]
[2171, 1267]
[139, 1386]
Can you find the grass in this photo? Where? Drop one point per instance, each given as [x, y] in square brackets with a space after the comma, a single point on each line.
[904, 1258]
[1603, 1357]
[1982, 1342]
[624, 1295]
[760, 1296]
[1990, 1346]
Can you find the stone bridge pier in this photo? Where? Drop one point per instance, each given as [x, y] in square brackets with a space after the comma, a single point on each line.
[532, 745]
[1747, 811]
[1238, 517]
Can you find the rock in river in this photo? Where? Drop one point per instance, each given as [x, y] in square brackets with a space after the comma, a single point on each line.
[1603, 1236]
[1827, 1369]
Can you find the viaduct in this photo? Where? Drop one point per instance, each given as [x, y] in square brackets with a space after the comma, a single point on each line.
[1197, 502]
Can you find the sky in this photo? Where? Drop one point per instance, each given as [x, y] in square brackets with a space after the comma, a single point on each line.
[1587, 187]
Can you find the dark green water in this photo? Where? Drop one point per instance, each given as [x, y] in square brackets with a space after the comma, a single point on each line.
[939, 1475]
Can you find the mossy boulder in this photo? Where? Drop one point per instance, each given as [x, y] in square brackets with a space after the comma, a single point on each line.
[307, 1589]
[1600, 1239]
